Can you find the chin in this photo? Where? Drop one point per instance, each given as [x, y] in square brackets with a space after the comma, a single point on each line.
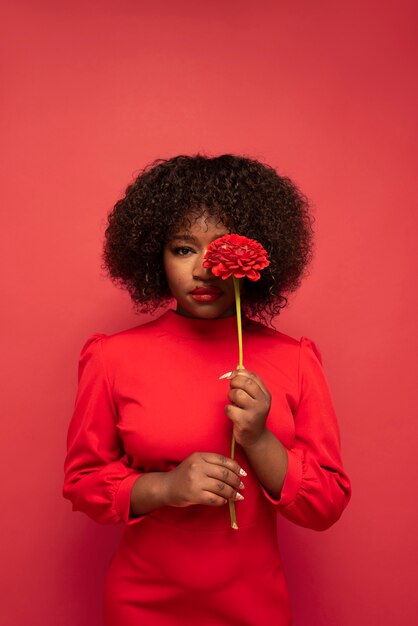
[215, 314]
[203, 312]
[211, 315]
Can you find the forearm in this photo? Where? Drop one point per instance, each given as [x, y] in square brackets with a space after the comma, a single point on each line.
[268, 458]
[149, 492]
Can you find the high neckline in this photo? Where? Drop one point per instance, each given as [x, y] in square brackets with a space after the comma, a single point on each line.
[198, 328]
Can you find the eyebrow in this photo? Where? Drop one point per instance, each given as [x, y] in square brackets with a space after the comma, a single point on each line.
[185, 237]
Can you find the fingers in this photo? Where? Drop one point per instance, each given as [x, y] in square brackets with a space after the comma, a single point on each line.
[249, 382]
[223, 461]
[237, 414]
[217, 493]
[241, 398]
[223, 479]
[211, 499]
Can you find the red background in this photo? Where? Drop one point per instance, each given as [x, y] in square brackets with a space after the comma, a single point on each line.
[325, 92]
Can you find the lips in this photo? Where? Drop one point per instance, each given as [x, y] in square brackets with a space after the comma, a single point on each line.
[206, 295]
[206, 291]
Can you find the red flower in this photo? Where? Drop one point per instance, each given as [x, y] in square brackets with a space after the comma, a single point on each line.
[235, 255]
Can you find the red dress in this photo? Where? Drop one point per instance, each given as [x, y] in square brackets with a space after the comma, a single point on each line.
[150, 396]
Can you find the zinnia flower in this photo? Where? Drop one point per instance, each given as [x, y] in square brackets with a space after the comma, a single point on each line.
[239, 257]
[235, 255]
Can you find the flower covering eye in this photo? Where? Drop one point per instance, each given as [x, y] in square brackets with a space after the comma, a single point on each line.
[235, 255]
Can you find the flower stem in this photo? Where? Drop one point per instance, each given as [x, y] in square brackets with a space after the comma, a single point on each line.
[240, 366]
[238, 308]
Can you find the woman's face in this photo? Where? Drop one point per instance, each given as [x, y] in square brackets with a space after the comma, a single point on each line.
[198, 292]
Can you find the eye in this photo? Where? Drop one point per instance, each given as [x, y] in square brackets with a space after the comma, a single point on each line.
[182, 251]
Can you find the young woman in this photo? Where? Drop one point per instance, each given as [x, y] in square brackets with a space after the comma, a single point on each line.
[149, 439]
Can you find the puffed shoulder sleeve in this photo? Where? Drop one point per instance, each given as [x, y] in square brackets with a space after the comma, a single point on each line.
[96, 478]
[316, 489]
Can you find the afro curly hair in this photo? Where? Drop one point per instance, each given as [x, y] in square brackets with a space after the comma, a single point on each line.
[249, 197]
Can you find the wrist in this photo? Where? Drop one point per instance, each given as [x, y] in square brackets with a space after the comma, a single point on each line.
[268, 458]
[259, 442]
[165, 488]
[150, 491]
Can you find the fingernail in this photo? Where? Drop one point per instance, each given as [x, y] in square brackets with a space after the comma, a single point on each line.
[239, 497]
[242, 472]
[241, 485]
[227, 375]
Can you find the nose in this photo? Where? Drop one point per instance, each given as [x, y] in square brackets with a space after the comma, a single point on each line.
[200, 272]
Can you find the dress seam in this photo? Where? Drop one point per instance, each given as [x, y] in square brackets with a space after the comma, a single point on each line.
[208, 530]
[108, 385]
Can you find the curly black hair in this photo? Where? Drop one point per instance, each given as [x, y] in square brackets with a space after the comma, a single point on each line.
[249, 197]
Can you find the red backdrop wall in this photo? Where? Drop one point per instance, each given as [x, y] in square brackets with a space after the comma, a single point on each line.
[325, 92]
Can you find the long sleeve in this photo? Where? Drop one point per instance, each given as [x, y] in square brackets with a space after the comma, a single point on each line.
[96, 478]
[316, 489]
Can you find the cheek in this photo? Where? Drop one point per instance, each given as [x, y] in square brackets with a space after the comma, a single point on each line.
[172, 272]
[169, 277]
[168, 266]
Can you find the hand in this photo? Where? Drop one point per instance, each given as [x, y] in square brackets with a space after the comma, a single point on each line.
[252, 401]
[204, 478]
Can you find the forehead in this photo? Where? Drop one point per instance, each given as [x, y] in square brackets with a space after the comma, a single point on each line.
[200, 223]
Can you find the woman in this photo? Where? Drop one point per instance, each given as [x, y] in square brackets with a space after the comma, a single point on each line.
[149, 439]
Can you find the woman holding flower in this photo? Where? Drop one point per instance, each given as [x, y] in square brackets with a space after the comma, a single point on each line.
[149, 443]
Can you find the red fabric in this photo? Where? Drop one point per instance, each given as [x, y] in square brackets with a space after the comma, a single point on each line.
[148, 397]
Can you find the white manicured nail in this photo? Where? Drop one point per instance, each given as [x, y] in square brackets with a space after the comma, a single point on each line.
[227, 375]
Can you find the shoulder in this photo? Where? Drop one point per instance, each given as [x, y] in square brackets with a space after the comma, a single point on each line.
[270, 335]
[147, 328]
[267, 338]
[122, 342]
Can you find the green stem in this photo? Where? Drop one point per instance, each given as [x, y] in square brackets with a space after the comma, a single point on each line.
[240, 366]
